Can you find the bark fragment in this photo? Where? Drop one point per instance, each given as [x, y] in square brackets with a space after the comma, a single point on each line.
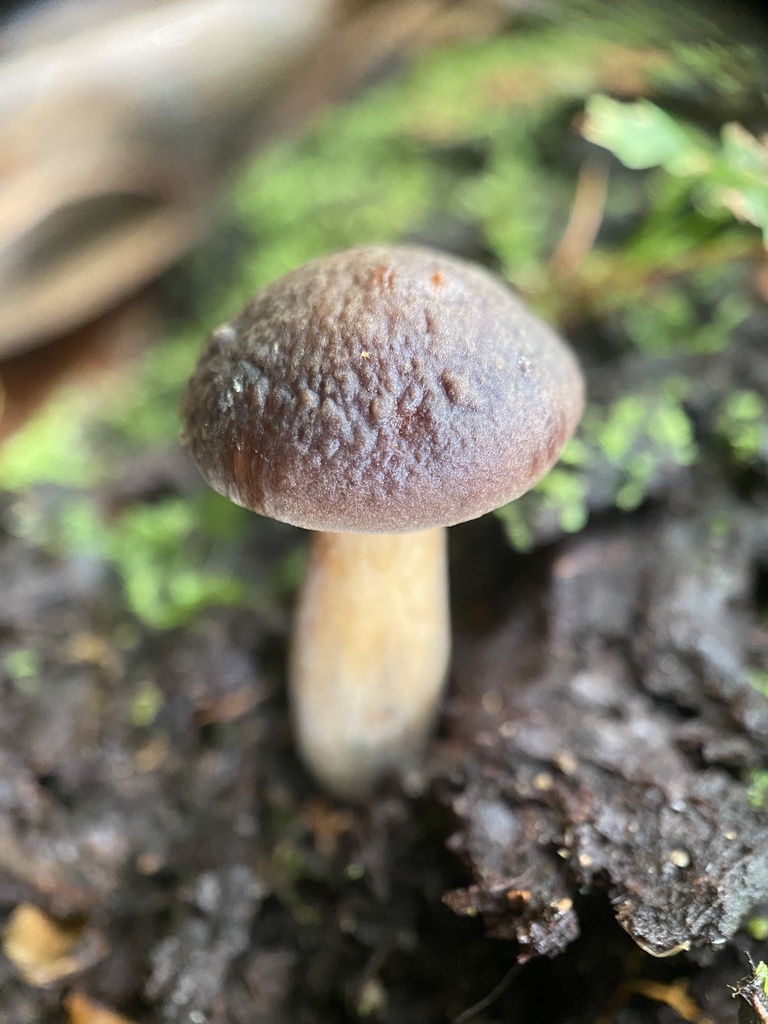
[613, 752]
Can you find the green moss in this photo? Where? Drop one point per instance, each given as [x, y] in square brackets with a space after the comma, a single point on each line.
[288, 573]
[146, 704]
[616, 431]
[147, 416]
[23, 663]
[720, 526]
[219, 520]
[317, 194]
[22, 667]
[758, 680]
[51, 448]
[640, 434]
[731, 72]
[517, 528]
[78, 440]
[670, 320]
[77, 529]
[656, 423]
[565, 493]
[575, 454]
[741, 422]
[163, 560]
[758, 788]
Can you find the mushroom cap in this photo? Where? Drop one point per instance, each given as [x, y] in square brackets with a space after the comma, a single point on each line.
[382, 389]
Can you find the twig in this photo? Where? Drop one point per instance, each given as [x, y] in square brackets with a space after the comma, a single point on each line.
[586, 217]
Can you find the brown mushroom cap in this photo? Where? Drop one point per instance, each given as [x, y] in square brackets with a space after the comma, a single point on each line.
[381, 390]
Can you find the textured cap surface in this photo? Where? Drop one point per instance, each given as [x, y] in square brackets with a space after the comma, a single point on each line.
[381, 389]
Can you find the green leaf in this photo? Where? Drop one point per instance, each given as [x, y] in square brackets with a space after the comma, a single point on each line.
[741, 181]
[641, 135]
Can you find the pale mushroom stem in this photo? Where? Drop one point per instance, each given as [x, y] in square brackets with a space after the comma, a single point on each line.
[370, 653]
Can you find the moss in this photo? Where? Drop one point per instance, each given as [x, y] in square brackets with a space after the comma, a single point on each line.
[23, 663]
[658, 421]
[147, 415]
[720, 526]
[741, 422]
[22, 667]
[758, 788]
[615, 432]
[52, 448]
[517, 528]
[146, 704]
[566, 493]
[672, 321]
[77, 529]
[758, 680]
[163, 560]
[731, 72]
[286, 576]
[638, 435]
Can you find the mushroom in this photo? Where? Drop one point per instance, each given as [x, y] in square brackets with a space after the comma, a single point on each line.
[377, 396]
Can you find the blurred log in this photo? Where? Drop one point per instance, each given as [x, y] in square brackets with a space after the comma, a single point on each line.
[114, 141]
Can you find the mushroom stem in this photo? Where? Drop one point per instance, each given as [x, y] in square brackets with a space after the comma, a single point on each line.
[369, 656]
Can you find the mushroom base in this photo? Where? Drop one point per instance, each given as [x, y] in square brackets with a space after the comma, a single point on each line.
[370, 654]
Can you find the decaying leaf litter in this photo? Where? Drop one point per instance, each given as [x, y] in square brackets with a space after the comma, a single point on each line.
[603, 746]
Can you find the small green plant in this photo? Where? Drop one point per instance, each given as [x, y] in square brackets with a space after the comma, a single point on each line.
[742, 422]
[761, 976]
[674, 282]
[731, 177]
